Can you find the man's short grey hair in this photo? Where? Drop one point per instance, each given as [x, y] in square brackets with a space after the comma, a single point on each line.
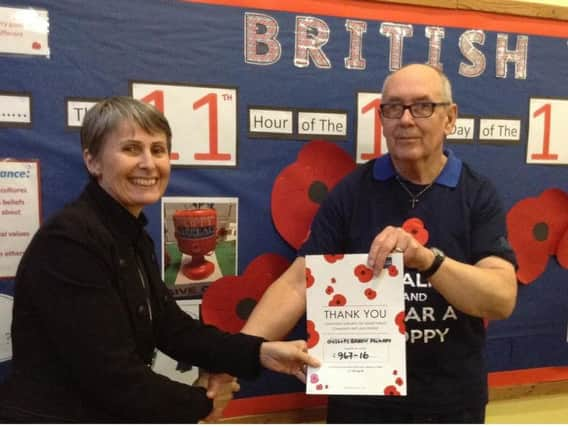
[446, 85]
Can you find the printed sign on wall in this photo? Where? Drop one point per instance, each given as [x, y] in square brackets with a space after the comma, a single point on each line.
[19, 211]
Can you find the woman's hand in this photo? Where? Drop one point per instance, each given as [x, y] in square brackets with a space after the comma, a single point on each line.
[287, 357]
[220, 388]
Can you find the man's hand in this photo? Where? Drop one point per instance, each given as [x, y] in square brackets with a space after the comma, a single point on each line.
[220, 388]
[287, 357]
[395, 239]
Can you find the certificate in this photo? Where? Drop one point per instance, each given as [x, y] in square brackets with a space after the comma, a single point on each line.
[355, 326]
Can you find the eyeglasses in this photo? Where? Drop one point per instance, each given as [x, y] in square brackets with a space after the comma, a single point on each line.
[419, 110]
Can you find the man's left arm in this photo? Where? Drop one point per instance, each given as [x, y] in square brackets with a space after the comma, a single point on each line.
[487, 289]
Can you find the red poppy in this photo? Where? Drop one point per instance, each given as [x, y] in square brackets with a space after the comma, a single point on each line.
[331, 258]
[301, 186]
[313, 334]
[562, 250]
[309, 278]
[363, 273]
[370, 293]
[415, 226]
[399, 321]
[391, 391]
[338, 300]
[536, 226]
[399, 381]
[228, 301]
[393, 271]
[329, 290]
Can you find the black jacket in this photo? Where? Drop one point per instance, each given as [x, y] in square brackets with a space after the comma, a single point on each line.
[89, 310]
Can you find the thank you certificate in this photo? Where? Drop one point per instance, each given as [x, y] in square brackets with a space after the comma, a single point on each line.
[355, 325]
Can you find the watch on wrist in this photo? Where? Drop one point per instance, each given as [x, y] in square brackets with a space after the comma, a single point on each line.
[439, 258]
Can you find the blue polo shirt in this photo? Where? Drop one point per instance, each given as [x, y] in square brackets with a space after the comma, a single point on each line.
[464, 217]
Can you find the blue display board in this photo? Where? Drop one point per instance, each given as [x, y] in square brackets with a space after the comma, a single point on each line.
[247, 88]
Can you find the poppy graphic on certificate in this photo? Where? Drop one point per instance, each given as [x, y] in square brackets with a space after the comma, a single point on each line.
[355, 325]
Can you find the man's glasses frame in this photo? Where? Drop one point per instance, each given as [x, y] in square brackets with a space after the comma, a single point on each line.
[418, 110]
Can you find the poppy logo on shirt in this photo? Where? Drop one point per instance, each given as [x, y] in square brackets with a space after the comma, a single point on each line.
[415, 226]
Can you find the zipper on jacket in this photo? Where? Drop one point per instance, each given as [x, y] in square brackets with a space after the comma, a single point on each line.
[145, 286]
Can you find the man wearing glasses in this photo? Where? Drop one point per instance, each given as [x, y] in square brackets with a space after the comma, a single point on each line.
[459, 273]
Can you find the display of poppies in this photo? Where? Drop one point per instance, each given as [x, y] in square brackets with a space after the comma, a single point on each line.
[537, 228]
[228, 301]
[301, 186]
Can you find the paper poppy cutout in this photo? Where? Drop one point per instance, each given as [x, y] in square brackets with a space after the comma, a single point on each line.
[562, 251]
[228, 301]
[537, 228]
[301, 186]
[415, 226]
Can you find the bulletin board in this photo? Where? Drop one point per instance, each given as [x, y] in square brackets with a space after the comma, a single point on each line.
[256, 89]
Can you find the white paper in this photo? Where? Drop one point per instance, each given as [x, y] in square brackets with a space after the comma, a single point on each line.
[355, 326]
[24, 31]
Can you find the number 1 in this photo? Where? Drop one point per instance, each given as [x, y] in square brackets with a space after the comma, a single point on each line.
[545, 155]
[211, 100]
[374, 107]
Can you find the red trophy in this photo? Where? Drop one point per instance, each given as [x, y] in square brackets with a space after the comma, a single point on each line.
[196, 235]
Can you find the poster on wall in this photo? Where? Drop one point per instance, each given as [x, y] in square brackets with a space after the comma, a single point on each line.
[203, 121]
[24, 31]
[19, 211]
[199, 243]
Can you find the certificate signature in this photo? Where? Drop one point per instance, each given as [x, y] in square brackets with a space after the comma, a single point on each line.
[355, 325]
